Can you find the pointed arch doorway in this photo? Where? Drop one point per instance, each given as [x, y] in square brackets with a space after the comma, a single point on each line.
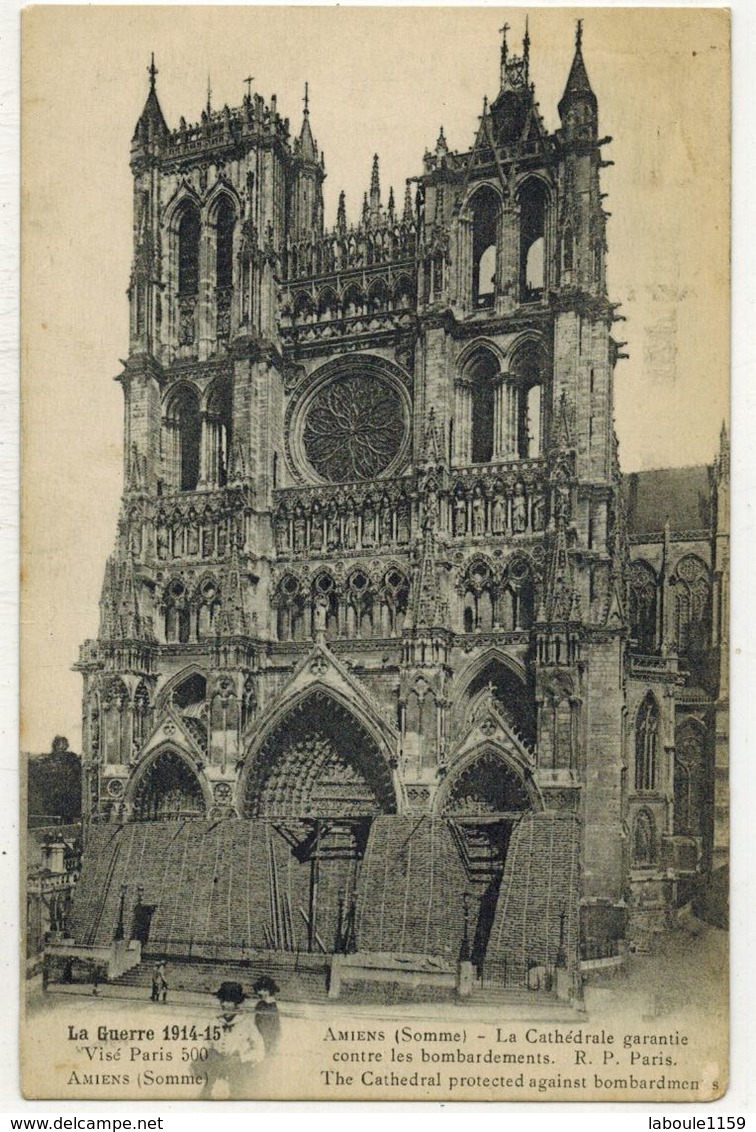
[317, 778]
[483, 800]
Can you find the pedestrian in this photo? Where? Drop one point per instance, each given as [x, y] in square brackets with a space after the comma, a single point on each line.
[162, 981]
[266, 1013]
[236, 1050]
[155, 996]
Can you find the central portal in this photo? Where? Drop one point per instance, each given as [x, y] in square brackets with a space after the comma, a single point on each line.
[319, 761]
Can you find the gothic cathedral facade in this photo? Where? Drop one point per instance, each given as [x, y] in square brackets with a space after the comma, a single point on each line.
[390, 652]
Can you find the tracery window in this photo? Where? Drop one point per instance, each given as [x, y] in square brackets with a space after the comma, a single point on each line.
[291, 609]
[689, 776]
[177, 613]
[188, 251]
[643, 605]
[692, 589]
[115, 704]
[224, 244]
[183, 435]
[354, 428]
[479, 593]
[647, 744]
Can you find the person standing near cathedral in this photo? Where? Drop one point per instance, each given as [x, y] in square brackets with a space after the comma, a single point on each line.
[267, 1018]
[237, 1049]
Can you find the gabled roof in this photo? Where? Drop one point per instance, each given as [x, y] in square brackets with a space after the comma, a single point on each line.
[680, 496]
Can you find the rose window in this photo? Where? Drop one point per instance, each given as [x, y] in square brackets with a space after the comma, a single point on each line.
[354, 428]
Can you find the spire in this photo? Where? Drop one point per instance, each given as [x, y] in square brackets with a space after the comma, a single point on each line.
[307, 147]
[428, 610]
[375, 189]
[526, 51]
[503, 56]
[441, 147]
[513, 69]
[407, 215]
[341, 222]
[559, 594]
[151, 129]
[107, 602]
[578, 84]
[129, 617]
[391, 210]
[233, 618]
[722, 463]
[365, 210]
[431, 446]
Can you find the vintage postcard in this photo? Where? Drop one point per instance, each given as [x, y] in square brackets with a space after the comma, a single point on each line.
[376, 553]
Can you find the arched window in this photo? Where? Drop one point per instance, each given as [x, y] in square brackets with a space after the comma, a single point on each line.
[207, 599]
[177, 613]
[481, 372]
[142, 714]
[532, 199]
[360, 605]
[643, 599]
[689, 778]
[169, 789]
[527, 371]
[395, 598]
[354, 302]
[479, 596]
[328, 306]
[224, 244]
[647, 745]
[115, 704]
[325, 605]
[692, 589]
[485, 209]
[515, 699]
[219, 421]
[520, 589]
[291, 609]
[644, 839]
[188, 251]
[184, 428]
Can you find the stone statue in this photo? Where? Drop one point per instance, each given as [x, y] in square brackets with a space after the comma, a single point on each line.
[299, 529]
[519, 513]
[478, 513]
[499, 514]
[316, 528]
[460, 515]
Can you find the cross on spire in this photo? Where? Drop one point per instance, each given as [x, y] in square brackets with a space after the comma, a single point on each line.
[249, 80]
[306, 98]
[152, 71]
[503, 32]
[578, 35]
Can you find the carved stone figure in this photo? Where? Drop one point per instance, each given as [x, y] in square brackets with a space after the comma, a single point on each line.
[499, 514]
[478, 513]
[519, 511]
